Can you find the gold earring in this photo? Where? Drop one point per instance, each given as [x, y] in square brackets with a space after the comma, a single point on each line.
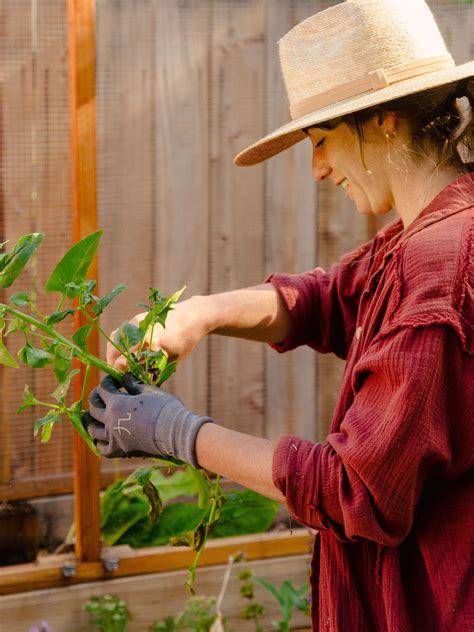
[390, 135]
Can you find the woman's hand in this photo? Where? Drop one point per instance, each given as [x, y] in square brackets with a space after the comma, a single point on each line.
[255, 313]
[186, 325]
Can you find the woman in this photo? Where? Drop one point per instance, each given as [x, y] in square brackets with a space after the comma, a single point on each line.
[389, 116]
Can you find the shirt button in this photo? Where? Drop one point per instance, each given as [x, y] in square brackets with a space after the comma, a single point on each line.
[358, 332]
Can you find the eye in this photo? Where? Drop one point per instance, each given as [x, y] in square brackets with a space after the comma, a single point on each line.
[320, 143]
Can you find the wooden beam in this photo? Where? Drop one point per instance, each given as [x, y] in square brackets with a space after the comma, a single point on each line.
[56, 484]
[49, 572]
[81, 29]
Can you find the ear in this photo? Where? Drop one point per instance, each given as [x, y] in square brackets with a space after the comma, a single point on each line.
[388, 123]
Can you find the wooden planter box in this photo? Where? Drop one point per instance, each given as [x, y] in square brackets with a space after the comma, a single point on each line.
[149, 582]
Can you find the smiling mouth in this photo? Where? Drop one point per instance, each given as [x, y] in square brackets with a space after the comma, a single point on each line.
[344, 183]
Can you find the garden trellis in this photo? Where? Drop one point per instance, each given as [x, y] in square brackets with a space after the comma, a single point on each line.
[125, 115]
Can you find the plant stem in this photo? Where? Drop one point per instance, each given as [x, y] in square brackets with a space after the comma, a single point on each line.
[61, 302]
[95, 323]
[192, 570]
[84, 356]
[48, 405]
[84, 382]
[201, 484]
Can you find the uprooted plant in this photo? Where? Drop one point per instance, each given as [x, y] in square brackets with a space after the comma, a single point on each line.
[44, 345]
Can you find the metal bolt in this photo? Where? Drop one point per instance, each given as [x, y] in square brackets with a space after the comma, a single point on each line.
[69, 569]
[111, 564]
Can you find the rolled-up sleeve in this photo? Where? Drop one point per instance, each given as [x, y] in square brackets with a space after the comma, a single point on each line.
[323, 305]
[365, 480]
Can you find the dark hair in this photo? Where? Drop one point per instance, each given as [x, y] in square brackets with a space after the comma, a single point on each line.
[434, 120]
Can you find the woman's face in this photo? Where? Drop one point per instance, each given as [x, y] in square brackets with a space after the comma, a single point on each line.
[337, 157]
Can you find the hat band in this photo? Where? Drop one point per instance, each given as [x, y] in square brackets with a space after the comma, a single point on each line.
[374, 80]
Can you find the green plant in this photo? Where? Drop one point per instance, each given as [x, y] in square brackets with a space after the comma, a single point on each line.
[288, 598]
[197, 616]
[44, 345]
[108, 613]
[254, 610]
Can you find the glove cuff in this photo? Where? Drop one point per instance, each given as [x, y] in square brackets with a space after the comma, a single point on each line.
[195, 427]
[179, 438]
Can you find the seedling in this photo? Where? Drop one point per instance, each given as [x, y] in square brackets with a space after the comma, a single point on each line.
[108, 613]
[288, 598]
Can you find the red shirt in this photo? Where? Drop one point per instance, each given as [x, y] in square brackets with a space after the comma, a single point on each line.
[391, 488]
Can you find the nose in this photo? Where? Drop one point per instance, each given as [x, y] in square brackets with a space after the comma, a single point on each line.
[320, 168]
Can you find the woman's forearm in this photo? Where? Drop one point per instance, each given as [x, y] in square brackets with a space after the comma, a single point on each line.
[244, 459]
[254, 313]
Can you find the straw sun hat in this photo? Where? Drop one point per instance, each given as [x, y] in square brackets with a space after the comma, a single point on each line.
[352, 56]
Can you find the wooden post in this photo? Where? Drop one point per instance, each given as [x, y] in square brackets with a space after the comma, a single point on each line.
[81, 28]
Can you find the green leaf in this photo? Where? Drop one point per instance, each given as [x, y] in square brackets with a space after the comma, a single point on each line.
[6, 357]
[62, 363]
[129, 336]
[193, 538]
[178, 483]
[245, 512]
[73, 266]
[34, 357]
[74, 413]
[108, 499]
[168, 372]
[143, 483]
[86, 296]
[57, 317]
[20, 299]
[15, 325]
[119, 513]
[103, 302]
[28, 400]
[80, 336]
[13, 262]
[61, 391]
[270, 587]
[159, 311]
[154, 501]
[175, 521]
[45, 424]
[139, 477]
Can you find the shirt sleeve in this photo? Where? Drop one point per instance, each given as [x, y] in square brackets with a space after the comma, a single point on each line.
[410, 419]
[323, 305]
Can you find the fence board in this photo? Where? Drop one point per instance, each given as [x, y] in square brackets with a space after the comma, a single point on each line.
[237, 202]
[291, 228]
[183, 33]
[126, 113]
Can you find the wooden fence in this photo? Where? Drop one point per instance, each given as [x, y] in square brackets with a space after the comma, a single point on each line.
[181, 88]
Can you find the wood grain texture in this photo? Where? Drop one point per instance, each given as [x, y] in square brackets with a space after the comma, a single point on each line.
[237, 203]
[47, 572]
[182, 172]
[291, 223]
[81, 32]
[161, 595]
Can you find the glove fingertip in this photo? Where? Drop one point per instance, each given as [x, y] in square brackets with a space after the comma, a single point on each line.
[132, 384]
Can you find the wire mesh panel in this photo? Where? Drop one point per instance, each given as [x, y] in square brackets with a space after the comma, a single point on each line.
[181, 88]
[34, 196]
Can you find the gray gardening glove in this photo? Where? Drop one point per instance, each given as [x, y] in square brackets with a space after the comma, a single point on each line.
[143, 420]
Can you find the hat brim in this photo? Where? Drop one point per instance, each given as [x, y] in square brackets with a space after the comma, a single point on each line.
[292, 133]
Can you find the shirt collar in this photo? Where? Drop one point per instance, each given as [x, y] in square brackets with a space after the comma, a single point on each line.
[454, 198]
